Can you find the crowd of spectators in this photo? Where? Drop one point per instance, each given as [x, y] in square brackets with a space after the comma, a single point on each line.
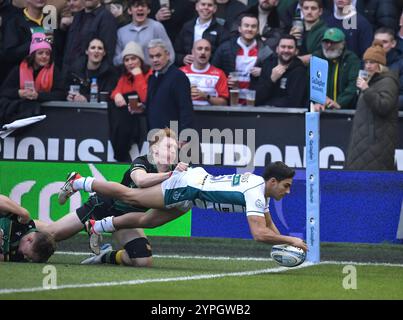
[177, 53]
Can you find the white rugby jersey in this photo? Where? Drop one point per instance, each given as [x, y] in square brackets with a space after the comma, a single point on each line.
[226, 193]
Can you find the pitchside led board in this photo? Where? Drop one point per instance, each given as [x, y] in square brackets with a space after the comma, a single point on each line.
[318, 86]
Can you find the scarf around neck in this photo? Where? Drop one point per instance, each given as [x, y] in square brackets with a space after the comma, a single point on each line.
[43, 81]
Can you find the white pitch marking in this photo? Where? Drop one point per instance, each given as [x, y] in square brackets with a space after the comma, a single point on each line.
[375, 264]
[174, 256]
[167, 256]
[143, 281]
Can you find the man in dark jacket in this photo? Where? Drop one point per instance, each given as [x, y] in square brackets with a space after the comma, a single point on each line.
[168, 92]
[399, 34]
[95, 21]
[280, 83]
[17, 33]
[271, 25]
[172, 14]
[379, 13]
[394, 57]
[205, 26]
[228, 11]
[7, 12]
[357, 29]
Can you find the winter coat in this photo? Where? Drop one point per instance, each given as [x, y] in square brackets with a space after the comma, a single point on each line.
[7, 13]
[215, 34]
[312, 40]
[181, 12]
[168, 99]
[288, 91]
[346, 92]
[106, 75]
[357, 39]
[11, 86]
[12, 107]
[274, 28]
[379, 13]
[99, 23]
[16, 38]
[225, 56]
[374, 135]
[394, 60]
[129, 84]
[227, 17]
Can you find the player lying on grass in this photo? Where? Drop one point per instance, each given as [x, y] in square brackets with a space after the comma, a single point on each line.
[20, 241]
[145, 171]
[229, 193]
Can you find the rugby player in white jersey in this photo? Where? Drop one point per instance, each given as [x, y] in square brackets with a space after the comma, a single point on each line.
[247, 193]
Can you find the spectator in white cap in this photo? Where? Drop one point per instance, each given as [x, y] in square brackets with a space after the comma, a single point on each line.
[125, 127]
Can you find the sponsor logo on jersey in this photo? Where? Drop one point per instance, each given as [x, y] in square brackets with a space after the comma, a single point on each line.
[176, 195]
[245, 177]
[259, 203]
[236, 179]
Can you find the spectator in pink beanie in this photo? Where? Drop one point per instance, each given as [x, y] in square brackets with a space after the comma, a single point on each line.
[37, 77]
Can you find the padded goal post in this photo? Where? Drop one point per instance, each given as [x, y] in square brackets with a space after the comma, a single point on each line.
[312, 186]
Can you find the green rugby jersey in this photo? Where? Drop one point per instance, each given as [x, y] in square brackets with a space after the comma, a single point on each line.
[12, 233]
[142, 163]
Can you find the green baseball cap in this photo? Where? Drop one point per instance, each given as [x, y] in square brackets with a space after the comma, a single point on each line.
[334, 35]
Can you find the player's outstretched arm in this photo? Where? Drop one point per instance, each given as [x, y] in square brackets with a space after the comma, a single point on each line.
[262, 233]
[269, 222]
[9, 206]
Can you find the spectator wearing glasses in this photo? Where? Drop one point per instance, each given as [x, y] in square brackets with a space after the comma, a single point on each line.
[36, 79]
[18, 31]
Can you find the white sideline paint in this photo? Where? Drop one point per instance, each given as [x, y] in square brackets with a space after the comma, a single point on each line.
[143, 281]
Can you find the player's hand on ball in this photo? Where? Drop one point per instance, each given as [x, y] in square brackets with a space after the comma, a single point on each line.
[299, 243]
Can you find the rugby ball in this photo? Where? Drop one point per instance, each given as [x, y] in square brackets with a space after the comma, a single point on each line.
[287, 256]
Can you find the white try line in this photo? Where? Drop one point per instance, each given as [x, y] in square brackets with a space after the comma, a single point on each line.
[370, 264]
[175, 256]
[143, 281]
[224, 258]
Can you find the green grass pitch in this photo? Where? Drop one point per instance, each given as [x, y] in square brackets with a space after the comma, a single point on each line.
[187, 269]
